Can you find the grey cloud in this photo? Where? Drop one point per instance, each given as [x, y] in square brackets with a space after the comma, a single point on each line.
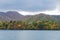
[28, 5]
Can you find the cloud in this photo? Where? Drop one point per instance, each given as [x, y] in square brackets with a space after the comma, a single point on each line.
[49, 12]
[28, 5]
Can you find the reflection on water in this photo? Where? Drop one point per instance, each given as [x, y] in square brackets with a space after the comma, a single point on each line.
[29, 35]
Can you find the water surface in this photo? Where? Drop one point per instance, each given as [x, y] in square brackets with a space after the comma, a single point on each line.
[29, 35]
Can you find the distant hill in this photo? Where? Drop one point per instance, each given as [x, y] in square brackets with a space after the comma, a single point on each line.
[42, 17]
[15, 16]
[10, 15]
[3, 17]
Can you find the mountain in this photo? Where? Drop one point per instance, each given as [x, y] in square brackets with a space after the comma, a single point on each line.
[10, 15]
[56, 16]
[15, 16]
[41, 16]
[3, 17]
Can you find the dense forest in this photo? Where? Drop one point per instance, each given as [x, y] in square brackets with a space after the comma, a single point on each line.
[34, 25]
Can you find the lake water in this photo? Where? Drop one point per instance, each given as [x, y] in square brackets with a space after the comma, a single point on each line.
[29, 35]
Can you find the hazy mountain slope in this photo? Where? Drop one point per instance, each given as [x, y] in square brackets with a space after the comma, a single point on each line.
[13, 15]
[40, 16]
[10, 15]
[3, 17]
[56, 16]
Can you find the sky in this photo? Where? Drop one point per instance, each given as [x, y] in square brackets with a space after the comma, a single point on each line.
[31, 7]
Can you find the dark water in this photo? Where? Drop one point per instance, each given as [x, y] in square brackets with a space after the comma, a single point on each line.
[29, 35]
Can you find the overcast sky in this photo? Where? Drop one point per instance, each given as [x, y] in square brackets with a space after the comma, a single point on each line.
[28, 7]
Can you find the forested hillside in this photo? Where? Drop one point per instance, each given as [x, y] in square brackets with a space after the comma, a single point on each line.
[12, 20]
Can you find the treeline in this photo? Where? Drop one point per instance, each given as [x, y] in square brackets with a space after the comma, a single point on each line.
[32, 25]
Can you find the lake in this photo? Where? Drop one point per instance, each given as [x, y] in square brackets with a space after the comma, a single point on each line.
[29, 35]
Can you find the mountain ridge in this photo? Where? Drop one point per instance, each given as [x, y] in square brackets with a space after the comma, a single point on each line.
[16, 16]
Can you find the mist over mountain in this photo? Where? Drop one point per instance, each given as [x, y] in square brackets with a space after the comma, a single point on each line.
[16, 16]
